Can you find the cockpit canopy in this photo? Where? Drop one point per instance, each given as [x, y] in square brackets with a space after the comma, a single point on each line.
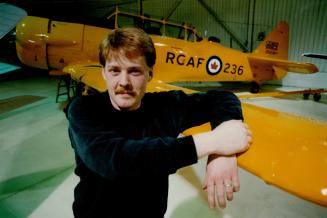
[154, 26]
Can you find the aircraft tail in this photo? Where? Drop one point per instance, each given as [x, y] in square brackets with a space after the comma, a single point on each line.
[275, 44]
[270, 60]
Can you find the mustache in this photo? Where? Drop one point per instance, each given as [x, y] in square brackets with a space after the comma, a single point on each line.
[124, 90]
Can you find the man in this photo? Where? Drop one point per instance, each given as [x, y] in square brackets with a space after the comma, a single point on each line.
[125, 140]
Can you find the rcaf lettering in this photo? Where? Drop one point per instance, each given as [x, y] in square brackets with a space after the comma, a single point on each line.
[190, 62]
[181, 59]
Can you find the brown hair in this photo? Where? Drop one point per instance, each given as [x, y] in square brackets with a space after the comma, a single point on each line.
[129, 41]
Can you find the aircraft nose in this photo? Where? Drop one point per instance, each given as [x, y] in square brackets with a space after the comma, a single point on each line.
[32, 30]
[31, 35]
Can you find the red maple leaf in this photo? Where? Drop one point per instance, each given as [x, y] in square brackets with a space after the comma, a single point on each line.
[214, 66]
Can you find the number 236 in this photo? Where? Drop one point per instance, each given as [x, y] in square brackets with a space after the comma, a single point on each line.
[233, 69]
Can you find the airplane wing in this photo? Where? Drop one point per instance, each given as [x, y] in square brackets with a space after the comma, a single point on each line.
[10, 15]
[288, 151]
[88, 74]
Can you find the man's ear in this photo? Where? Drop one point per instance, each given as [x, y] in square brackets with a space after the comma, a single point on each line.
[150, 75]
[103, 74]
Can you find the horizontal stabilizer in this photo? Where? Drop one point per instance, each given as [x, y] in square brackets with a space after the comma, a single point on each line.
[265, 68]
[291, 66]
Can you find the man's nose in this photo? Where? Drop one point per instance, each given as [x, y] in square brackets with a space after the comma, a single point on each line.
[124, 79]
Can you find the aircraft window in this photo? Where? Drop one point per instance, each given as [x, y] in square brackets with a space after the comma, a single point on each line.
[129, 21]
[179, 33]
[148, 26]
[172, 31]
[157, 27]
[191, 36]
[153, 28]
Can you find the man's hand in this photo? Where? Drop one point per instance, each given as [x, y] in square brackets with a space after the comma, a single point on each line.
[221, 179]
[228, 138]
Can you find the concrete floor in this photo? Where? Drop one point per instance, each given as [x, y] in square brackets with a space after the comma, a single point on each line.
[37, 162]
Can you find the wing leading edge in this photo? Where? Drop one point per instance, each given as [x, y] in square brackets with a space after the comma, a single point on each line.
[88, 74]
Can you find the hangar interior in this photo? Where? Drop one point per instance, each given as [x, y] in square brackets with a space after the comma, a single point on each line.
[37, 162]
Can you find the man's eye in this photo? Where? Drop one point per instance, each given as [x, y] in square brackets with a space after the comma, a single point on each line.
[114, 72]
[136, 72]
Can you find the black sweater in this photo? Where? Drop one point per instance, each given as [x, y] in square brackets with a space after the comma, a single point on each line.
[124, 158]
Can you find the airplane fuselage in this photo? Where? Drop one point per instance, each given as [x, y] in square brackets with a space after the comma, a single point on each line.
[199, 61]
[46, 44]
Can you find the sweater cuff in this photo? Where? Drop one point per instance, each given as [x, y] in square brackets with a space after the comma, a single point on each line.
[185, 153]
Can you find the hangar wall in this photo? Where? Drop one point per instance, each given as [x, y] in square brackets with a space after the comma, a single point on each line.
[244, 21]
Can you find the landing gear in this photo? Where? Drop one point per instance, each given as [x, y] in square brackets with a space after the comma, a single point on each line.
[316, 94]
[306, 96]
[254, 87]
[316, 97]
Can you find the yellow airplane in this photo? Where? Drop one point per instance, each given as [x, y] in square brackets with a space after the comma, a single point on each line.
[286, 152]
[53, 45]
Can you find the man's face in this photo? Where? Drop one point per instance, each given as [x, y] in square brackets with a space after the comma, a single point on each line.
[126, 81]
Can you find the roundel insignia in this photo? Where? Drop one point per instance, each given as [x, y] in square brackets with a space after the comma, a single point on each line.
[214, 65]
